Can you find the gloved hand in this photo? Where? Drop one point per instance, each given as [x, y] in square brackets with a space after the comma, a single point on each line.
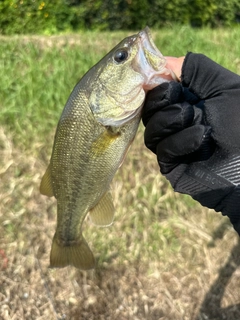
[194, 128]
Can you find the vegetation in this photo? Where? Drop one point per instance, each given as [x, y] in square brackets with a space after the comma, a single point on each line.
[165, 257]
[48, 17]
[38, 73]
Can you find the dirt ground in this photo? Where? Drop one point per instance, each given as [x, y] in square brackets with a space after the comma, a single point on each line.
[199, 280]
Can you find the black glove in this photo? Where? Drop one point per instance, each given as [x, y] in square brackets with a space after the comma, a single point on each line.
[194, 128]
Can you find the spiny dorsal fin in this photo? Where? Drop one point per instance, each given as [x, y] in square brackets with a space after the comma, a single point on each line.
[102, 214]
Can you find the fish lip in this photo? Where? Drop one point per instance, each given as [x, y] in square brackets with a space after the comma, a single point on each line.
[152, 60]
[147, 41]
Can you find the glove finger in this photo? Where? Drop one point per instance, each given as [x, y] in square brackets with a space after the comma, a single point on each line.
[160, 97]
[168, 121]
[192, 144]
[205, 77]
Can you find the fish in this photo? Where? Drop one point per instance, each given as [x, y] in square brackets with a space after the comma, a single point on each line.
[95, 130]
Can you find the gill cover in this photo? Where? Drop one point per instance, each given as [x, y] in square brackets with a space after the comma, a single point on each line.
[118, 92]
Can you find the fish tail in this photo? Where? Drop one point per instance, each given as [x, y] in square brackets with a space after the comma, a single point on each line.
[77, 254]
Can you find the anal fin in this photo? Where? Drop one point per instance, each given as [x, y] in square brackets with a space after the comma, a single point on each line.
[102, 214]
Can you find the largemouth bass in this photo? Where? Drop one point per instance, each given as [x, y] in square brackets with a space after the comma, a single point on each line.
[95, 130]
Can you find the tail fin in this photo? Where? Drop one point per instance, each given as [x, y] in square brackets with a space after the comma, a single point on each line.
[78, 255]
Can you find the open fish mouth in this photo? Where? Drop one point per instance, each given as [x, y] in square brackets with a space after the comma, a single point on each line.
[153, 56]
[150, 62]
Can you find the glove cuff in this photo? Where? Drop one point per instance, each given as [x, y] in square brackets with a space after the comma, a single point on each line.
[208, 188]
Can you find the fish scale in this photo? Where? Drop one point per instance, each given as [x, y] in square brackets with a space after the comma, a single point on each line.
[95, 130]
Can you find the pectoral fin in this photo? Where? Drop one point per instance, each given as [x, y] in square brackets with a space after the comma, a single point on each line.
[102, 214]
[46, 184]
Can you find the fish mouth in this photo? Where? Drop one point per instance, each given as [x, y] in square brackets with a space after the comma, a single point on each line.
[150, 62]
[151, 52]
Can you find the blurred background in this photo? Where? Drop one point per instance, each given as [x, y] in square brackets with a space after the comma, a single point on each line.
[36, 16]
[165, 256]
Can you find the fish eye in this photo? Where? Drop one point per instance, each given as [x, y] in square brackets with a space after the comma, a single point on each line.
[121, 55]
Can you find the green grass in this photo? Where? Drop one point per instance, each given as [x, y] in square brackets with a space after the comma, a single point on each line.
[163, 252]
[38, 73]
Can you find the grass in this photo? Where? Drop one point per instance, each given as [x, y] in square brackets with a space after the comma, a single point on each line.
[39, 73]
[165, 257]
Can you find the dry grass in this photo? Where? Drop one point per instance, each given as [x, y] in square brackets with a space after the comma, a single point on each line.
[163, 258]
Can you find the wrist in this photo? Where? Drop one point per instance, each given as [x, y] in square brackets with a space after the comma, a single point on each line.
[175, 64]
